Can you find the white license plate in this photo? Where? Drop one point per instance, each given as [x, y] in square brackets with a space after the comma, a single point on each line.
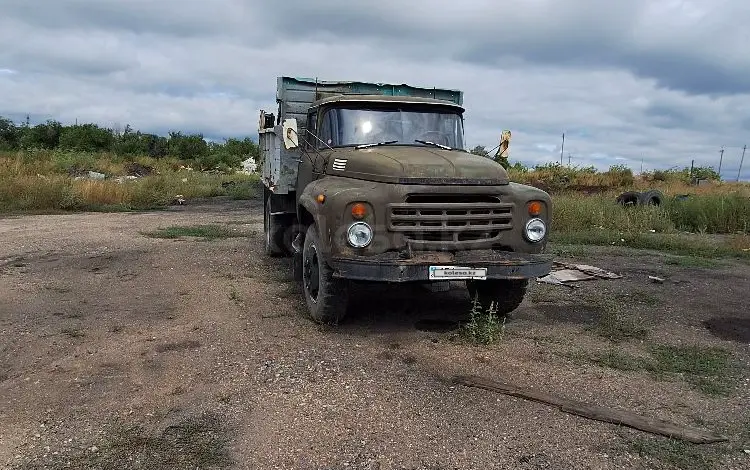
[456, 272]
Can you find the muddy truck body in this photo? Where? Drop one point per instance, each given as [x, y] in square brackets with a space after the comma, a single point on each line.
[367, 182]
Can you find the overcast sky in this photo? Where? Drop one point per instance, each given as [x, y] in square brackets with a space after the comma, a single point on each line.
[662, 81]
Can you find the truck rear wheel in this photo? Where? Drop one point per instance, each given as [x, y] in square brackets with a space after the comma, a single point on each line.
[326, 296]
[507, 294]
[273, 231]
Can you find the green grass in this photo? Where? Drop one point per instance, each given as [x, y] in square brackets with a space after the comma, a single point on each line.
[484, 326]
[599, 220]
[706, 213]
[638, 297]
[679, 454]
[680, 244]
[706, 369]
[617, 326]
[242, 190]
[209, 232]
[573, 213]
[42, 184]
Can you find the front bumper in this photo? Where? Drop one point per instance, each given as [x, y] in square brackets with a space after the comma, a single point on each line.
[389, 267]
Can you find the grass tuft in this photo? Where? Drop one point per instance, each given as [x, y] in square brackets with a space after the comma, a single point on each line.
[484, 326]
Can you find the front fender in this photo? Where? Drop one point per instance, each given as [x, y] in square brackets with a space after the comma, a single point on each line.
[329, 215]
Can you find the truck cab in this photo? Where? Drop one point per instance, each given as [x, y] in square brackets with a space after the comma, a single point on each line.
[371, 183]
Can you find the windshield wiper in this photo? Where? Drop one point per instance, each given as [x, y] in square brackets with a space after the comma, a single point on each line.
[427, 142]
[364, 146]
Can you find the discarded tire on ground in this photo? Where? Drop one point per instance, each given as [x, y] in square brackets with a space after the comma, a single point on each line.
[629, 198]
[652, 197]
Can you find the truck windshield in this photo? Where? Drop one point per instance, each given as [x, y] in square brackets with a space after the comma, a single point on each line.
[343, 127]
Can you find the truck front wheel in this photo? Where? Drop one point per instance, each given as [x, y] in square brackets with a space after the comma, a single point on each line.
[325, 295]
[507, 294]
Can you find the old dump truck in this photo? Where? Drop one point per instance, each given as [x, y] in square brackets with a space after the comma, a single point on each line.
[369, 182]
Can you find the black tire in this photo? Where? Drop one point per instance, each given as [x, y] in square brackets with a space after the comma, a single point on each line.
[629, 198]
[326, 296]
[652, 197]
[273, 231]
[506, 294]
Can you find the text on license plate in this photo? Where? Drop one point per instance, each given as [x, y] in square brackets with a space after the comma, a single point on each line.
[457, 272]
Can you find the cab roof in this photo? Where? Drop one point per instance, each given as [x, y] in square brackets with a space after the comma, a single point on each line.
[384, 99]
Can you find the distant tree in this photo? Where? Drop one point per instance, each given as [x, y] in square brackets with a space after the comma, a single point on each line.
[87, 138]
[704, 172]
[46, 136]
[518, 167]
[10, 135]
[245, 148]
[480, 150]
[187, 147]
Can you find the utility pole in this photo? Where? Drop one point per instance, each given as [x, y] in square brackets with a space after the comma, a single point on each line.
[562, 148]
[641, 165]
[742, 160]
[568, 159]
[721, 157]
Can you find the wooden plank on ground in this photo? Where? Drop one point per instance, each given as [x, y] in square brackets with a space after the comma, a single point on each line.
[598, 413]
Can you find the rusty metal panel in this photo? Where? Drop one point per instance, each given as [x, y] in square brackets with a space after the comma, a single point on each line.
[279, 165]
[297, 94]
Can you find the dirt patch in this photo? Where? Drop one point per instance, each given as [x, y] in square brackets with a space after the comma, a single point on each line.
[730, 328]
[438, 325]
[187, 442]
[178, 346]
[178, 353]
[580, 314]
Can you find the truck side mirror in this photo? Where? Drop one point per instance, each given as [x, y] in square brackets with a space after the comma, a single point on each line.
[291, 138]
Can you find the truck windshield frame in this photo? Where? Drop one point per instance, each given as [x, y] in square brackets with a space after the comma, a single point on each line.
[350, 126]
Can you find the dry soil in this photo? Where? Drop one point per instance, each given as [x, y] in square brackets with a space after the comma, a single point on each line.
[119, 350]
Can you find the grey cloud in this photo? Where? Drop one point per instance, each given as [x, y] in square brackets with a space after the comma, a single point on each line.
[536, 68]
[696, 55]
[184, 18]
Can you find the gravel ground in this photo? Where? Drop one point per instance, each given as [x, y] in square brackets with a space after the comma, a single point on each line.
[119, 350]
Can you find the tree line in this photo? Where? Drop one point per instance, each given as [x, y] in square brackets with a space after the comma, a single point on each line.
[53, 135]
[686, 174]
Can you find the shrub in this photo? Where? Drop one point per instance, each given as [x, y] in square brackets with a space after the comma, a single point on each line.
[86, 138]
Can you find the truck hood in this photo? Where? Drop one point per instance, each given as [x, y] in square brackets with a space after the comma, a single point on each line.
[403, 164]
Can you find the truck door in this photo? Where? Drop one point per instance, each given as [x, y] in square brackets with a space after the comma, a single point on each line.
[310, 156]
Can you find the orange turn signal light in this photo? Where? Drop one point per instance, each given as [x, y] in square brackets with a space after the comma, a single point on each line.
[535, 208]
[359, 211]
[321, 198]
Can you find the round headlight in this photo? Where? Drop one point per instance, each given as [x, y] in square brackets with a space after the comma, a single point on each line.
[535, 231]
[359, 235]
